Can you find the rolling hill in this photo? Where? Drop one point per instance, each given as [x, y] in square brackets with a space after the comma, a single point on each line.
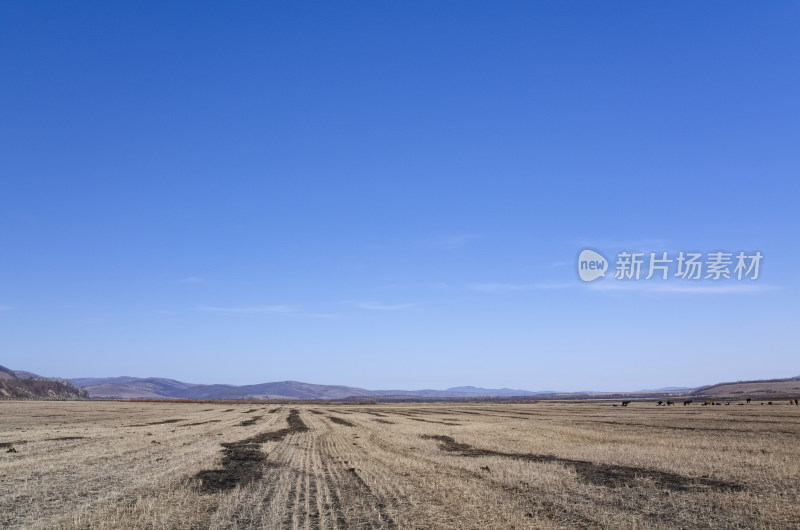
[764, 389]
[132, 387]
[14, 386]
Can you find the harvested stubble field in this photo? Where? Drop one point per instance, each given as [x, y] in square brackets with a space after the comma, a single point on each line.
[438, 465]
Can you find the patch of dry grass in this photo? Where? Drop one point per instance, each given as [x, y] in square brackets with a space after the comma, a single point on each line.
[439, 465]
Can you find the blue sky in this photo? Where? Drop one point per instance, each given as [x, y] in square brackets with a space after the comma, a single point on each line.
[394, 195]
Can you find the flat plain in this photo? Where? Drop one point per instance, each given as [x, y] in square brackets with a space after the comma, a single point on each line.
[108, 464]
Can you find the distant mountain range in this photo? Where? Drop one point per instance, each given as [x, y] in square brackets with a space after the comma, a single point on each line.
[496, 391]
[665, 389]
[155, 387]
[161, 388]
[24, 384]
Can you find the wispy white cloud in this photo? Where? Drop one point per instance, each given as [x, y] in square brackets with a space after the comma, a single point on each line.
[384, 307]
[192, 279]
[288, 310]
[453, 241]
[499, 287]
[680, 287]
[611, 285]
[317, 315]
[627, 244]
[256, 309]
[511, 287]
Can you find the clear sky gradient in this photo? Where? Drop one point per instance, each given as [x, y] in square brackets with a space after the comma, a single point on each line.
[394, 194]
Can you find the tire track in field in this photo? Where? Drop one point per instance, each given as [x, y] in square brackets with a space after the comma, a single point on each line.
[312, 500]
[322, 512]
[296, 460]
[336, 512]
[351, 481]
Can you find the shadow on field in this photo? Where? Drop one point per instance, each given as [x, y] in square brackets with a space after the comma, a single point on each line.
[609, 475]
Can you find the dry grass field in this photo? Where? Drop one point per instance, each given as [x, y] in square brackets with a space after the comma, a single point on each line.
[437, 465]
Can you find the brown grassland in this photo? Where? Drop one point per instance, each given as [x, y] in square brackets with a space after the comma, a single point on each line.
[432, 465]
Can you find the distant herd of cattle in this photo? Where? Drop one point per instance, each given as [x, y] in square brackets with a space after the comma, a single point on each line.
[706, 403]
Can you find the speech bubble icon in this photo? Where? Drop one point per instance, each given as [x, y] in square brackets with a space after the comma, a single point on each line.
[591, 265]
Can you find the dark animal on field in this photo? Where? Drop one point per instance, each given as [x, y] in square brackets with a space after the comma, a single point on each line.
[625, 403]
[708, 403]
[748, 400]
[770, 403]
[687, 402]
[614, 405]
[669, 403]
[659, 403]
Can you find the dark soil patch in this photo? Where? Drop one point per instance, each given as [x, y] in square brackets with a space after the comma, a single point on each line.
[162, 422]
[63, 438]
[446, 443]
[610, 475]
[243, 461]
[249, 411]
[200, 423]
[383, 421]
[315, 411]
[241, 464]
[273, 411]
[439, 422]
[250, 421]
[10, 444]
[295, 425]
[228, 410]
[341, 421]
